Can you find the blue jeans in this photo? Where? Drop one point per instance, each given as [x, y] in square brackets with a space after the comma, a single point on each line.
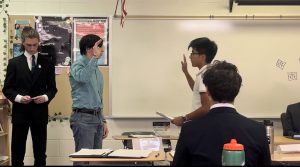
[87, 131]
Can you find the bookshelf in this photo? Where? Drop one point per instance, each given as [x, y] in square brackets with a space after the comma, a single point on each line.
[4, 132]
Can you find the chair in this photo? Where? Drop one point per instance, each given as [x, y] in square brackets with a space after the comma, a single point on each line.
[284, 124]
[291, 120]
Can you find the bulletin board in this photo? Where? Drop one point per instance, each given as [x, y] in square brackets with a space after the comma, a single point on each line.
[58, 31]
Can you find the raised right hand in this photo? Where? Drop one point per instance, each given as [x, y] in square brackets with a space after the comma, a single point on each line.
[184, 65]
[98, 50]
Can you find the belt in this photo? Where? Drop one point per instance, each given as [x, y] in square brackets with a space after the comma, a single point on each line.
[87, 111]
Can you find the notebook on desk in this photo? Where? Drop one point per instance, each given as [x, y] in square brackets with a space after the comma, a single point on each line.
[91, 153]
[108, 153]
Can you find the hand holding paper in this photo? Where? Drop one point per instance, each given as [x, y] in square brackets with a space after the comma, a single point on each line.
[164, 116]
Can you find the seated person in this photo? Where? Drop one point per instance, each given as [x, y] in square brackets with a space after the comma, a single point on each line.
[293, 119]
[201, 141]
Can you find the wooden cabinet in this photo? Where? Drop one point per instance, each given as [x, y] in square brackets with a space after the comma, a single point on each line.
[4, 132]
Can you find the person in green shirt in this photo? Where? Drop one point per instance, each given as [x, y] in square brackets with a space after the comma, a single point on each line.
[87, 121]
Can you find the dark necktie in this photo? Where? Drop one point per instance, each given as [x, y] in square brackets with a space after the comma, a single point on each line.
[33, 63]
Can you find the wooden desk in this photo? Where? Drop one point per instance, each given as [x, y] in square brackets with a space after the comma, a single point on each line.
[281, 140]
[169, 157]
[285, 159]
[153, 157]
[120, 137]
[291, 157]
[276, 157]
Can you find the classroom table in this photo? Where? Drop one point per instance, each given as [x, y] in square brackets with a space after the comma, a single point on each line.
[280, 140]
[153, 157]
[288, 157]
[169, 157]
[277, 158]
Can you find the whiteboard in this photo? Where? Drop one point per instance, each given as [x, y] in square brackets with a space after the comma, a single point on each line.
[146, 68]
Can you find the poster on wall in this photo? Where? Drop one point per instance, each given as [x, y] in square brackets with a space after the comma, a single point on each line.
[92, 25]
[56, 35]
[19, 25]
[16, 23]
[17, 50]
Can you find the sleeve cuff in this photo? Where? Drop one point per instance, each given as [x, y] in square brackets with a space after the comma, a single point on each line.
[46, 98]
[18, 98]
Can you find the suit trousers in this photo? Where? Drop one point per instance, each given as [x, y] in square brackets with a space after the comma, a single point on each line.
[18, 143]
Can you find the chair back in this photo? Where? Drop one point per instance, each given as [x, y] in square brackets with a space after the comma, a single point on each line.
[284, 124]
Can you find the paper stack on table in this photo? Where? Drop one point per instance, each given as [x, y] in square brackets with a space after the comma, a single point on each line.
[142, 136]
[288, 148]
[130, 153]
[3, 158]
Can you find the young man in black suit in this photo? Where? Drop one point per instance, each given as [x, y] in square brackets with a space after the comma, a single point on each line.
[201, 141]
[30, 86]
[292, 119]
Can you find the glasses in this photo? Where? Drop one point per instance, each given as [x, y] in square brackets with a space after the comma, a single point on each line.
[194, 53]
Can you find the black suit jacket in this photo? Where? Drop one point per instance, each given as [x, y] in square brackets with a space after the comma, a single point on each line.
[20, 80]
[293, 119]
[201, 141]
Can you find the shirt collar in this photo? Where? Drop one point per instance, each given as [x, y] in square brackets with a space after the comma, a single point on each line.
[28, 56]
[202, 70]
[222, 105]
[84, 59]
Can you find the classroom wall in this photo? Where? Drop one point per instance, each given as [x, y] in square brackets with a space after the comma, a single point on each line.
[60, 137]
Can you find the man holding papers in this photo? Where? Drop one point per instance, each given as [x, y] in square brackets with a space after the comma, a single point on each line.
[30, 85]
[203, 52]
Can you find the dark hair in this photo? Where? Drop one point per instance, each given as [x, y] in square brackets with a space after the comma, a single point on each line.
[206, 46]
[28, 32]
[222, 81]
[87, 42]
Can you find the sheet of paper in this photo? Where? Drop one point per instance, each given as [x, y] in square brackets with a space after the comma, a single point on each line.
[142, 136]
[172, 153]
[164, 116]
[3, 158]
[86, 152]
[288, 148]
[130, 153]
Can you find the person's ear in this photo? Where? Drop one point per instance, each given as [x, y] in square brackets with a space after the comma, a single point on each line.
[208, 93]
